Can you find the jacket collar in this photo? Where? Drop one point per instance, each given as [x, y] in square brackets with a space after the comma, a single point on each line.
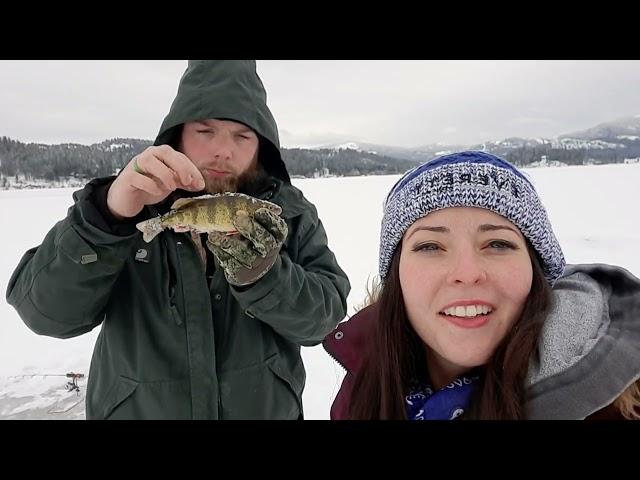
[347, 342]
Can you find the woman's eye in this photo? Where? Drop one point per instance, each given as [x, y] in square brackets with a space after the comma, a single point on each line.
[502, 245]
[426, 247]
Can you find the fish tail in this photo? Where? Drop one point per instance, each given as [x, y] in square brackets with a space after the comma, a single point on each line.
[150, 228]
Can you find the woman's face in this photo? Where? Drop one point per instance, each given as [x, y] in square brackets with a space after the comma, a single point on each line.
[465, 274]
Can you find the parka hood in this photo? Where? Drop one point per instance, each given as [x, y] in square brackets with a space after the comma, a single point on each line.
[589, 352]
[229, 90]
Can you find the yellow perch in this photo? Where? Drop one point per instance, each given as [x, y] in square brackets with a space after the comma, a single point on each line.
[207, 213]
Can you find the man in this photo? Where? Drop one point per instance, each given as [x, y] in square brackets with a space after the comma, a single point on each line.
[188, 332]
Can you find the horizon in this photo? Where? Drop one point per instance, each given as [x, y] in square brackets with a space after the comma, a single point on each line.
[345, 142]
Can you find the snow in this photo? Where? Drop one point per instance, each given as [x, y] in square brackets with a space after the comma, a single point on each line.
[575, 144]
[348, 146]
[593, 210]
[115, 146]
[334, 146]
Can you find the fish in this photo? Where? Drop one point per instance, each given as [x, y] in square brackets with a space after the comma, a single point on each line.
[205, 214]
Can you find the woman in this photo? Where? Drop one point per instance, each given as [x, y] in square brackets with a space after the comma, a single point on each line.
[477, 316]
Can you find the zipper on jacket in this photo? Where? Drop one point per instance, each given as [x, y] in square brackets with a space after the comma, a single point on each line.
[334, 358]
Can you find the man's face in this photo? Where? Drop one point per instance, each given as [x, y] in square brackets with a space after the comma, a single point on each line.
[223, 150]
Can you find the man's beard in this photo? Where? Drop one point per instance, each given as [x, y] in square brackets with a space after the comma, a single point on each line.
[221, 185]
[247, 181]
[252, 182]
[230, 183]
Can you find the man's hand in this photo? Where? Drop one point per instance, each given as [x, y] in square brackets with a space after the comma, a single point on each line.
[247, 257]
[149, 178]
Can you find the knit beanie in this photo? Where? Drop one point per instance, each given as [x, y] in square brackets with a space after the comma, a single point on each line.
[469, 179]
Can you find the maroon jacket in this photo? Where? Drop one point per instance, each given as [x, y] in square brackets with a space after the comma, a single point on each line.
[346, 344]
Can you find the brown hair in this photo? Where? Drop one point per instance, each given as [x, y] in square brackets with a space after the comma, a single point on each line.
[395, 356]
[629, 402]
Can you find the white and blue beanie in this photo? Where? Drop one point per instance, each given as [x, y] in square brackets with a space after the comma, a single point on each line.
[469, 179]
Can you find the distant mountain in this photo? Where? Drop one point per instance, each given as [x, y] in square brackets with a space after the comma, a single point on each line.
[626, 128]
[416, 155]
[611, 142]
[616, 141]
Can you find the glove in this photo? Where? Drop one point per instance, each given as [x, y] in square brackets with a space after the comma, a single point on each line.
[248, 256]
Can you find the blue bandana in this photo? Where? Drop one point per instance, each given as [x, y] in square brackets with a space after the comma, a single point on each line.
[449, 402]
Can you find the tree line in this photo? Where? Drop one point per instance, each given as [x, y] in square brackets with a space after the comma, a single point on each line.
[53, 162]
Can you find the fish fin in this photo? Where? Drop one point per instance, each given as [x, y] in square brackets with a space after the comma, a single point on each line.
[150, 228]
[181, 202]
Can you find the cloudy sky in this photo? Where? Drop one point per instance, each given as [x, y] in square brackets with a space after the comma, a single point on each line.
[403, 103]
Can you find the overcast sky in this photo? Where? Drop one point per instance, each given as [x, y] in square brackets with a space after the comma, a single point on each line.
[403, 103]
